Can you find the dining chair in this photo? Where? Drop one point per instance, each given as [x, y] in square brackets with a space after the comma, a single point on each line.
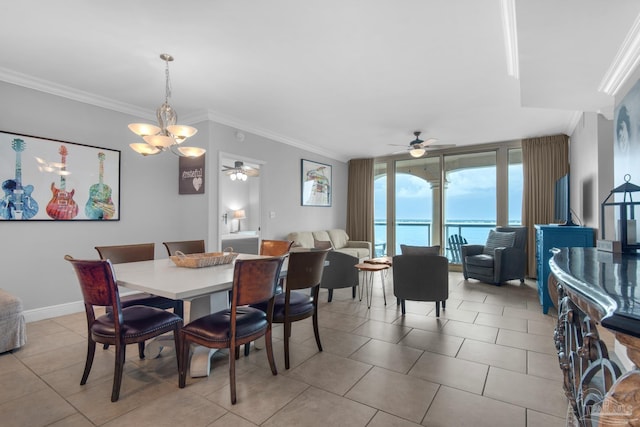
[122, 326]
[254, 281]
[304, 271]
[119, 254]
[275, 247]
[185, 246]
[272, 248]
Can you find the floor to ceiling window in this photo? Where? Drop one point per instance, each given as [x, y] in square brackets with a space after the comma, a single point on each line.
[455, 195]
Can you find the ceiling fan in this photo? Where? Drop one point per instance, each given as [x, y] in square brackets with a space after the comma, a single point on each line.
[239, 171]
[418, 147]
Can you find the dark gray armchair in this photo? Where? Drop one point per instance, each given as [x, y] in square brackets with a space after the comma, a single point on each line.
[502, 258]
[421, 278]
[340, 273]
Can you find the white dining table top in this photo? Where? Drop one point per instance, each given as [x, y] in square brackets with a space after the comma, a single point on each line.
[162, 277]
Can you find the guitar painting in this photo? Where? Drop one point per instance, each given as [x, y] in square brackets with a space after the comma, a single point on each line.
[100, 205]
[62, 205]
[17, 202]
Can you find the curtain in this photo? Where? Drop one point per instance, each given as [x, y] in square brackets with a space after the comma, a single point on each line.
[360, 200]
[544, 160]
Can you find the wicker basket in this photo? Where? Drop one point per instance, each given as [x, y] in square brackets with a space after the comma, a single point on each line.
[204, 260]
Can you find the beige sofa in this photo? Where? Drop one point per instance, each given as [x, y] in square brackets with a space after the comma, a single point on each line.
[338, 238]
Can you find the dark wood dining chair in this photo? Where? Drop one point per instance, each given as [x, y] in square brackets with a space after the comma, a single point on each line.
[122, 326]
[119, 254]
[254, 281]
[272, 248]
[185, 246]
[304, 271]
[275, 247]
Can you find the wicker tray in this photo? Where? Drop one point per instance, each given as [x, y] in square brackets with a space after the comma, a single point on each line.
[204, 260]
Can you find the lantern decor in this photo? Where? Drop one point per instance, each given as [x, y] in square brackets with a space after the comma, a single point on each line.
[627, 231]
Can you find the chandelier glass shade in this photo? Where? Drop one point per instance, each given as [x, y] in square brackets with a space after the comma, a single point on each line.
[167, 135]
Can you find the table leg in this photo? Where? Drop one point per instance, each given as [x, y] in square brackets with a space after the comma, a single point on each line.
[384, 294]
[201, 357]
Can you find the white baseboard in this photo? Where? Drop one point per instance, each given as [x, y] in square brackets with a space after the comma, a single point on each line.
[53, 311]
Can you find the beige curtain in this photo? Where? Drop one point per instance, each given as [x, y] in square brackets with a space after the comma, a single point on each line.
[544, 160]
[360, 200]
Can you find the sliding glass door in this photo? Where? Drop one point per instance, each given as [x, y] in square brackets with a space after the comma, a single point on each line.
[446, 199]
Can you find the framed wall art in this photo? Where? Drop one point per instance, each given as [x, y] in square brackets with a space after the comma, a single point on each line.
[191, 175]
[51, 180]
[315, 183]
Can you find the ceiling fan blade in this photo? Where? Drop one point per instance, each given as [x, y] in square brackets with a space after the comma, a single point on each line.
[429, 141]
[439, 146]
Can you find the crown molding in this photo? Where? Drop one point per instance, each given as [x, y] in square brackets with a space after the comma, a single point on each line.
[52, 88]
[248, 127]
[624, 63]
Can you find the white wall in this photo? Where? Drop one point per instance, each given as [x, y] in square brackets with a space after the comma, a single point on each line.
[32, 253]
[591, 160]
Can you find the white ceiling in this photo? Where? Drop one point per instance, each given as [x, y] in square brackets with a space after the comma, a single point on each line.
[343, 78]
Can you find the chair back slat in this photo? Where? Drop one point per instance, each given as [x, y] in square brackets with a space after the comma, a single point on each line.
[185, 246]
[305, 269]
[255, 280]
[119, 254]
[275, 247]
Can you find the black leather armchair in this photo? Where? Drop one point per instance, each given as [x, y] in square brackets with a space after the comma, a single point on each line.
[496, 263]
[421, 278]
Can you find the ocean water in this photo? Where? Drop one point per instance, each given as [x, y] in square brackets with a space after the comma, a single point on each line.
[418, 232]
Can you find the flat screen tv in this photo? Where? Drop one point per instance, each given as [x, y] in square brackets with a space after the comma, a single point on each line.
[562, 201]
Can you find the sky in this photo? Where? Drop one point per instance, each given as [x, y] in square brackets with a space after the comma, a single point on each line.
[470, 195]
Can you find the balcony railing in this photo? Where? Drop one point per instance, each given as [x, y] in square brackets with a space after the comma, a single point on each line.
[416, 232]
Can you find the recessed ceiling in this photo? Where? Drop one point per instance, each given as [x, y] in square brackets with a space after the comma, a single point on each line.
[341, 78]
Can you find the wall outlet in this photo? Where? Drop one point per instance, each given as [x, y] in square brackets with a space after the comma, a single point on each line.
[272, 214]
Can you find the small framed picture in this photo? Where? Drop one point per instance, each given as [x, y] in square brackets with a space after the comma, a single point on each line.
[315, 183]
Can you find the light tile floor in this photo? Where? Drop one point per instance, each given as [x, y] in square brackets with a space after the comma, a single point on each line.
[489, 360]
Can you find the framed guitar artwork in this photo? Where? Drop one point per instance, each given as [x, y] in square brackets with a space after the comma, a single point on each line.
[52, 180]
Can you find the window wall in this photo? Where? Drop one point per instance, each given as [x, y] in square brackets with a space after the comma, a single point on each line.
[465, 192]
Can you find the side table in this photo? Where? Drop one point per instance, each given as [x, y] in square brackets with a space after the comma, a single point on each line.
[368, 268]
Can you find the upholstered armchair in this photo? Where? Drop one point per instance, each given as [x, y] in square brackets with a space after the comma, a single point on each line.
[340, 273]
[421, 277]
[502, 258]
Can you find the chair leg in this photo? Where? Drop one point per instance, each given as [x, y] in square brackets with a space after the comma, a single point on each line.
[184, 360]
[330, 295]
[176, 341]
[287, 334]
[119, 367]
[247, 348]
[141, 349]
[236, 352]
[397, 301]
[437, 308]
[444, 304]
[91, 351]
[232, 374]
[316, 330]
[353, 292]
[105, 347]
[269, 346]
[402, 307]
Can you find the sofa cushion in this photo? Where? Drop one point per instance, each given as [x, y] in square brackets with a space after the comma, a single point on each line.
[356, 252]
[482, 260]
[339, 238]
[302, 239]
[420, 250]
[322, 244]
[498, 239]
[321, 236]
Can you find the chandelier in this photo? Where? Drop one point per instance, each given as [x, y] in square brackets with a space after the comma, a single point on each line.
[169, 135]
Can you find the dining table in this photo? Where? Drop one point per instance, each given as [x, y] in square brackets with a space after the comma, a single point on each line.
[203, 290]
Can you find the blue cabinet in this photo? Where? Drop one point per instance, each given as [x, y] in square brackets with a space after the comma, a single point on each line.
[556, 236]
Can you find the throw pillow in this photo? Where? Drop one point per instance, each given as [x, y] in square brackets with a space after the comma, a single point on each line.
[322, 244]
[420, 250]
[498, 239]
